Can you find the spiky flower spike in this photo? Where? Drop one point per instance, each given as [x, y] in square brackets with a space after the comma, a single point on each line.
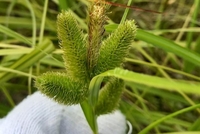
[112, 54]
[61, 88]
[70, 87]
[86, 58]
[73, 44]
[109, 96]
[115, 48]
[97, 18]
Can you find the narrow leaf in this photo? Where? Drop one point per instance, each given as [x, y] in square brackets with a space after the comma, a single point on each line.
[169, 45]
[29, 59]
[154, 81]
[14, 34]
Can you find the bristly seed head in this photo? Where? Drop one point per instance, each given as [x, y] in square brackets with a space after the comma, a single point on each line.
[97, 19]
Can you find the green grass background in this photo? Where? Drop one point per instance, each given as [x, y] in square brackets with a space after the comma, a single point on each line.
[163, 82]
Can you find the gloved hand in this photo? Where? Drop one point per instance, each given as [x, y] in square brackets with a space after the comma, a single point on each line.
[38, 114]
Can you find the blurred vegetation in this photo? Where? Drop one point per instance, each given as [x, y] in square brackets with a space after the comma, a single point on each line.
[29, 47]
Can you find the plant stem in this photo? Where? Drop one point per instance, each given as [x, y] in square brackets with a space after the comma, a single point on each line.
[90, 116]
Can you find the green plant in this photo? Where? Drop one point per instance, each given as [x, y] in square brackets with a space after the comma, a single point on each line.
[161, 82]
[86, 58]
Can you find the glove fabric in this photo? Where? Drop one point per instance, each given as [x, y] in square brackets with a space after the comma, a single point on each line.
[37, 114]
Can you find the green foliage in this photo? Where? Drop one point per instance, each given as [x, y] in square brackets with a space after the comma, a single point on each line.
[27, 60]
[161, 79]
[72, 87]
[163, 83]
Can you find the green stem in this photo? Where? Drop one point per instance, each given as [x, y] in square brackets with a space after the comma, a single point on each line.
[90, 116]
[9, 98]
[126, 12]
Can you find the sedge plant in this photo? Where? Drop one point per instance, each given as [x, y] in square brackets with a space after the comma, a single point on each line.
[86, 56]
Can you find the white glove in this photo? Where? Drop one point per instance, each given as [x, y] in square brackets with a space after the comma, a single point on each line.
[38, 114]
